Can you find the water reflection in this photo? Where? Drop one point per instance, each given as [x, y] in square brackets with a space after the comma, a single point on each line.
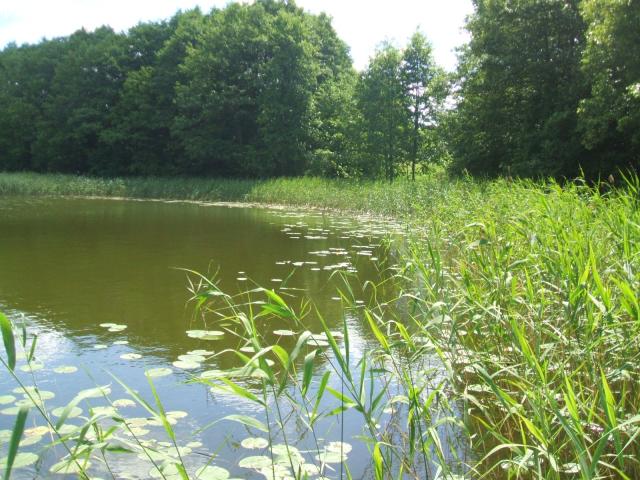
[69, 265]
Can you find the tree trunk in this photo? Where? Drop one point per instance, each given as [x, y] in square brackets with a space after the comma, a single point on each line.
[416, 128]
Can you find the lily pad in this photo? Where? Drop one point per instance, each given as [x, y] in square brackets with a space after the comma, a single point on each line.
[205, 334]
[338, 447]
[179, 452]
[166, 471]
[159, 372]
[186, 365]
[310, 469]
[177, 414]
[69, 467]
[117, 328]
[107, 411]
[42, 394]
[10, 411]
[200, 352]
[254, 442]
[211, 472]
[99, 346]
[33, 366]
[65, 369]
[191, 358]
[282, 450]
[331, 457]
[277, 472]
[26, 402]
[256, 461]
[124, 402]
[74, 412]
[7, 399]
[284, 333]
[137, 431]
[22, 459]
[27, 441]
[137, 422]
[131, 356]
[29, 389]
[36, 431]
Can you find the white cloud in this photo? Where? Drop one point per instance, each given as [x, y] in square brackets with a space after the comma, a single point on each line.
[363, 24]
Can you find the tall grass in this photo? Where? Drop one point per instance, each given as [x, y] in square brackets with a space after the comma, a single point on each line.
[378, 197]
[536, 292]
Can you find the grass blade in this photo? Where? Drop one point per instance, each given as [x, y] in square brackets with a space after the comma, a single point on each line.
[9, 340]
[18, 428]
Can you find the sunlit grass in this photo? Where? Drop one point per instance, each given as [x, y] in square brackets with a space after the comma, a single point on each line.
[378, 197]
[535, 291]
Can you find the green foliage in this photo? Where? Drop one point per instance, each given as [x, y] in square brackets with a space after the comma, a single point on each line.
[399, 100]
[425, 89]
[548, 88]
[249, 90]
[87, 79]
[265, 89]
[520, 84]
[381, 101]
[139, 133]
[610, 116]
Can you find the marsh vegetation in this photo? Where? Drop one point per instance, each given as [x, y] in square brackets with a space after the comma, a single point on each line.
[497, 337]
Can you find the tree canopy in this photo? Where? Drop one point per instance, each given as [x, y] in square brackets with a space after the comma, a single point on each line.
[544, 87]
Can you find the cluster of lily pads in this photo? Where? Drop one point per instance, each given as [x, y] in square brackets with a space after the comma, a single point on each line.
[286, 462]
[100, 429]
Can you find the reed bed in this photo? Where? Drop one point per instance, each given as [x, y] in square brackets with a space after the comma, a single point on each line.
[366, 196]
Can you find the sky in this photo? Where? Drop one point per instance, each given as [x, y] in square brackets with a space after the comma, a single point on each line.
[363, 24]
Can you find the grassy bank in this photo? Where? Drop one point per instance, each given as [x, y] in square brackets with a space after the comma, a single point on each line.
[380, 197]
[527, 292]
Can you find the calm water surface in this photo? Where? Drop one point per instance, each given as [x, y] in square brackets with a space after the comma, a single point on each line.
[68, 265]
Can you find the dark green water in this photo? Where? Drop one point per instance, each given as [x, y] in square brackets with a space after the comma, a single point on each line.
[68, 265]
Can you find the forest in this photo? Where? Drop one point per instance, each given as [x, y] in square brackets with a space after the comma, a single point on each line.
[543, 89]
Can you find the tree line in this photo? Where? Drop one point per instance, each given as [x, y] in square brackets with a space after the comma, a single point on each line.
[544, 87]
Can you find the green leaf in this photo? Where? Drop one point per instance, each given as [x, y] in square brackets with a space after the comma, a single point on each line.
[9, 341]
[377, 462]
[238, 390]
[376, 331]
[308, 371]
[15, 440]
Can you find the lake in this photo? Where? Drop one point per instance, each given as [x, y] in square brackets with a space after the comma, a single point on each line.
[102, 284]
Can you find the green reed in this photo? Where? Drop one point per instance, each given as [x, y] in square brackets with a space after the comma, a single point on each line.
[378, 197]
[537, 289]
